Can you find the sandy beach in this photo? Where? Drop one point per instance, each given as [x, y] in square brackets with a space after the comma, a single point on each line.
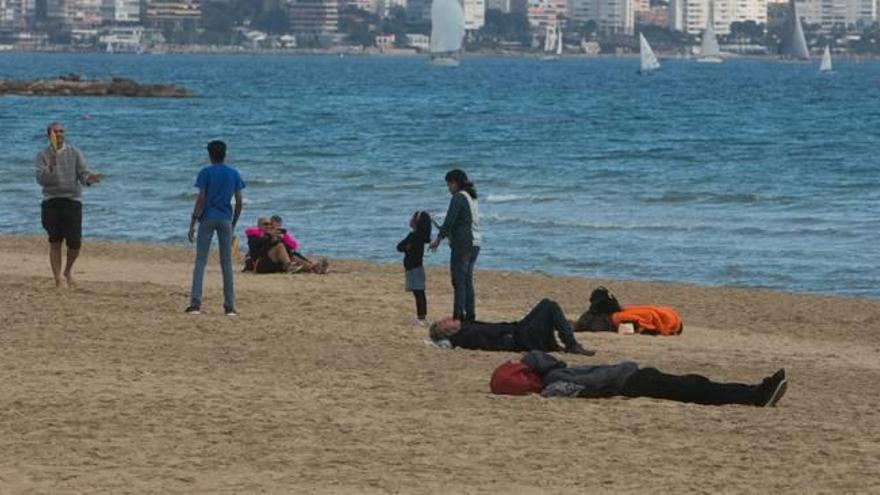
[321, 386]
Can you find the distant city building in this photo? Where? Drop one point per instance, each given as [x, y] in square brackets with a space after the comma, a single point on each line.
[474, 14]
[837, 13]
[174, 15]
[385, 41]
[384, 7]
[421, 42]
[691, 16]
[655, 16]
[16, 13]
[74, 14]
[418, 10]
[611, 16]
[368, 5]
[502, 5]
[543, 14]
[121, 11]
[314, 16]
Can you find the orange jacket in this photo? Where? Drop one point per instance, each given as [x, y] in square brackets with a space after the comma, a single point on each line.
[656, 320]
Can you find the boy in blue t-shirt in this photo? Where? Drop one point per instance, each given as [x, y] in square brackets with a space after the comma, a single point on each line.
[218, 184]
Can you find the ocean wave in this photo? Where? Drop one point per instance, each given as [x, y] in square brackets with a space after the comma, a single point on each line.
[571, 224]
[507, 198]
[678, 197]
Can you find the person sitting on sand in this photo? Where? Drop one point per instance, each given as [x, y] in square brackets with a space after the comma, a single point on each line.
[272, 250]
[533, 332]
[538, 372]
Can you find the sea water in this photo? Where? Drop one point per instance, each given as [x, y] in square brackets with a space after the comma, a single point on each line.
[748, 173]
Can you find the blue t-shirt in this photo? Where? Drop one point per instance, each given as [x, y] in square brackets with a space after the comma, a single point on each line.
[219, 182]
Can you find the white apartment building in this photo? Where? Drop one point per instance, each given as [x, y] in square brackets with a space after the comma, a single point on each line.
[121, 11]
[691, 16]
[612, 16]
[830, 13]
[474, 14]
[15, 13]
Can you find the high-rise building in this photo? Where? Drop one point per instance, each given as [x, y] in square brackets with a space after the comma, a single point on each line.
[543, 14]
[74, 13]
[474, 14]
[691, 16]
[840, 13]
[418, 10]
[314, 16]
[121, 11]
[612, 16]
[16, 13]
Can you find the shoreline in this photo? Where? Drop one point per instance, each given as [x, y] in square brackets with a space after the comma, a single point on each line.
[442, 266]
[323, 386]
[404, 53]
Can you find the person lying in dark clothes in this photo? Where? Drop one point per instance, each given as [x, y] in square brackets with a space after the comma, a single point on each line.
[533, 332]
[542, 373]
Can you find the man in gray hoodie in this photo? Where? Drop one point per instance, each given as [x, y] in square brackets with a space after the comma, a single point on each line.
[61, 171]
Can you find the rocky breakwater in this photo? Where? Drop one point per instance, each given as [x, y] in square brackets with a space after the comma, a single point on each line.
[74, 85]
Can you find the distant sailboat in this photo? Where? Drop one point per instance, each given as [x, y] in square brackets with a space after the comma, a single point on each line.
[648, 61]
[794, 44]
[709, 50]
[447, 31]
[558, 42]
[551, 35]
[825, 66]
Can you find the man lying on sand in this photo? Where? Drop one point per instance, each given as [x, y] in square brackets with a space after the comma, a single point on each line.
[534, 332]
[539, 372]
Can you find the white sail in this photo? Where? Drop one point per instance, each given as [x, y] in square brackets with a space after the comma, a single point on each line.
[826, 60]
[709, 47]
[447, 26]
[794, 44]
[648, 59]
[558, 41]
[549, 39]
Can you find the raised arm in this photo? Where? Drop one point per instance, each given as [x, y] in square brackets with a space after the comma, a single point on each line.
[45, 170]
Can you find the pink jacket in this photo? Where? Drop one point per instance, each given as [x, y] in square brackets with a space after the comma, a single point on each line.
[287, 239]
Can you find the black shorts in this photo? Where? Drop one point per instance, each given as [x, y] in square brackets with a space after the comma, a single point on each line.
[62, 219]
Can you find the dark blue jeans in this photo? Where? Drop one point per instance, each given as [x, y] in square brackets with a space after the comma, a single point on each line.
[461, 267]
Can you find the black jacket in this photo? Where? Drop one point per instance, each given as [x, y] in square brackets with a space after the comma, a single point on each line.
[413, 249]
[515, 337]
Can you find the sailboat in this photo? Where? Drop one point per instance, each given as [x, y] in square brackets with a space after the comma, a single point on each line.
[558, 41]
[825, 66]
[550, 36]
[447, 31]
[709, 50]
[648, 61]
[794, 44]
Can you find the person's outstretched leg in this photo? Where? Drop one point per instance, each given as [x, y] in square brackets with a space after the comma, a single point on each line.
[72, 255]
[470, 313]
[224, 238]
[73, 233]
[650, 382]
[204, 236]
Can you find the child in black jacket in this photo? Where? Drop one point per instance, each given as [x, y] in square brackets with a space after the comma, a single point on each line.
[413, 247]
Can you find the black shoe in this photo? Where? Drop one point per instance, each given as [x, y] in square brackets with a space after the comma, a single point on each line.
[579, 349]
[193, 310]
[772, 389]
[230, 312]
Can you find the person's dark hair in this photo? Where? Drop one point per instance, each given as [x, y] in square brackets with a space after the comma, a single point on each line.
[217, 151]
[459, 177]
[277, 219]
[423, 226]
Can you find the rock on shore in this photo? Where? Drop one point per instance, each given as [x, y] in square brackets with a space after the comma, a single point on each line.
[73, 85]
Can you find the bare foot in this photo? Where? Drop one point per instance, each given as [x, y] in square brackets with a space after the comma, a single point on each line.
[70, 281]
[59, 283]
